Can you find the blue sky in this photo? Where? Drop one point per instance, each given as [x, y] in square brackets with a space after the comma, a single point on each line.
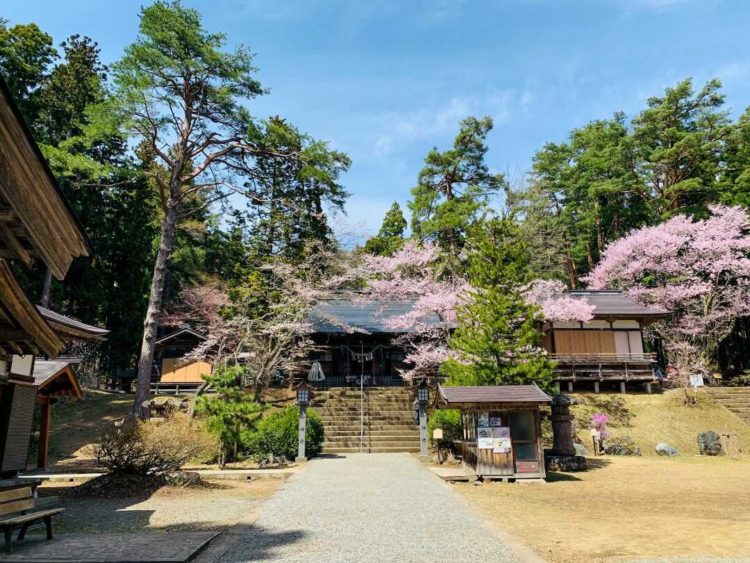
[386, 80]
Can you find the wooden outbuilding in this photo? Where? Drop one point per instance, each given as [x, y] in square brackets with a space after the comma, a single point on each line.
[172, 370]
[609, 349]
[52, 379]
[502, 433]
[36, 223]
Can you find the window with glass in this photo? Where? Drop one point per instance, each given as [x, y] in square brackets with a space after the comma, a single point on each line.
[523, 435]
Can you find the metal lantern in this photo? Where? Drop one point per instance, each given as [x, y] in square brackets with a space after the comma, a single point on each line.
[303, 394]
[423, 392]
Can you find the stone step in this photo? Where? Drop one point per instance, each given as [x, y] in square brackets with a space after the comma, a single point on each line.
[389, 433]
[372, 450]
[343, 420]
[380, 428]
[366, 409]
[379, 441]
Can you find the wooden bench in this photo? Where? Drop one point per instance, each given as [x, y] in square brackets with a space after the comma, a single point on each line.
[18, 508]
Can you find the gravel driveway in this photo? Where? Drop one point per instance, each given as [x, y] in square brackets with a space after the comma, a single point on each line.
[368, 507]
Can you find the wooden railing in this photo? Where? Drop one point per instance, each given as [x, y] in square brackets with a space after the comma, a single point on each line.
[622, 367]
[176, 388]
[603, 358]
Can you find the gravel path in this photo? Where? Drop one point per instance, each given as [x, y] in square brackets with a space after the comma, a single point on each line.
[365, 508]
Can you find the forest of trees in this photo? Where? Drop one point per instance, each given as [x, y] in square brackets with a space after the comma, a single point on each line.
[181, 190]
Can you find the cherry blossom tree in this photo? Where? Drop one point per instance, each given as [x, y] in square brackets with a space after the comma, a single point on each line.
[699, 270]
[556, 305]
[265, 326]
[412, 274]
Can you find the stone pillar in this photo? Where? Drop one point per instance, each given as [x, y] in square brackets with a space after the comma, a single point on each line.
[301, 436]
[562, 456]
[423, 453]
[562, 425]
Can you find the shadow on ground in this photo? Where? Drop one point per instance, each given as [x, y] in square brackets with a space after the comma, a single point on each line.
[260, 544]
[591, 463]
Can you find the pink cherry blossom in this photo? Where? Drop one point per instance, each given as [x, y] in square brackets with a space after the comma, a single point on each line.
[699, 270]
[556, 305]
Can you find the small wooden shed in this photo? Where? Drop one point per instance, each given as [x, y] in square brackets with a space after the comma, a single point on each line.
[170, 351]
[502, 434]
[52, 379]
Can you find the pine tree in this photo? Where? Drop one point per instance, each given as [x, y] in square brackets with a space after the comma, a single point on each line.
[497, 340]
[232, 413]
[454, 187]
[390, 237]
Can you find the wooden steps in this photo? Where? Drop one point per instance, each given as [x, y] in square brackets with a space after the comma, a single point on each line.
[388, 423]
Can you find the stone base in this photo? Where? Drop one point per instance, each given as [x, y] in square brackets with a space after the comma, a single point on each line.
[565, 463]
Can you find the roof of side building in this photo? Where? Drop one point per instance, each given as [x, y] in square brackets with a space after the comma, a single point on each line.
[615, 303]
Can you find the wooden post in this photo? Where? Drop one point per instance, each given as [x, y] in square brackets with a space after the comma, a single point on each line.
[42, 450]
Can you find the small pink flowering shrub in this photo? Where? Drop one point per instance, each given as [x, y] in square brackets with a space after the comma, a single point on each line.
[599, 421]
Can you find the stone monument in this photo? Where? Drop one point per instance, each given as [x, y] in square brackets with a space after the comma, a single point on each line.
[562, 456]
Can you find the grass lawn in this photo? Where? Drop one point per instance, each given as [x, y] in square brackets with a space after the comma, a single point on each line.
[662, 417]
[628, 507]
[649, 506]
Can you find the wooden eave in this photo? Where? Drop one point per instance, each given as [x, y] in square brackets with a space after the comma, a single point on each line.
[26, 331]
[492, 406]
[70, 329]
[64, 383]
[35, 217]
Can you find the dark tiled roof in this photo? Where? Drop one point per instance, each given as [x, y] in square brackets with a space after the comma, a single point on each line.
[493, 394]
[338, 315]
[61, 321]
[180, 332]
[614, 303]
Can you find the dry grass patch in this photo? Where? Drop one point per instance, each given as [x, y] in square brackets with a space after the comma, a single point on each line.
[650, 419]
[628, 507]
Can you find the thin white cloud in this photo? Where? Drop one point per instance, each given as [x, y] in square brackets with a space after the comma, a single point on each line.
[652, 5]
[430, 122]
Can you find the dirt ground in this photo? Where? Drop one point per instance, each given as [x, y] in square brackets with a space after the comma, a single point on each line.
[76, 425]
[219, 505]
[628, 507]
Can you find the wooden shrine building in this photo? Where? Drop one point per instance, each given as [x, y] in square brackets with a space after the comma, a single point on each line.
[36, 223]
[608, 349]
[354, 341]
[502, 432]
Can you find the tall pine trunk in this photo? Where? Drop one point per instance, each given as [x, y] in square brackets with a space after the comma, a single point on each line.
[145, 361]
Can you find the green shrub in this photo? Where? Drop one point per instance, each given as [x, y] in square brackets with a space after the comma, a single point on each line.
[276, 434]
[449, 420]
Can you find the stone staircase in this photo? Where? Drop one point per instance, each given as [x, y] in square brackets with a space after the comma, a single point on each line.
[736, 399]
[388, 420]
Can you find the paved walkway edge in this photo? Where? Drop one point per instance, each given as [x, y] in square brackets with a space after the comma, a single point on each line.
[224, 541]
[520, 551]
